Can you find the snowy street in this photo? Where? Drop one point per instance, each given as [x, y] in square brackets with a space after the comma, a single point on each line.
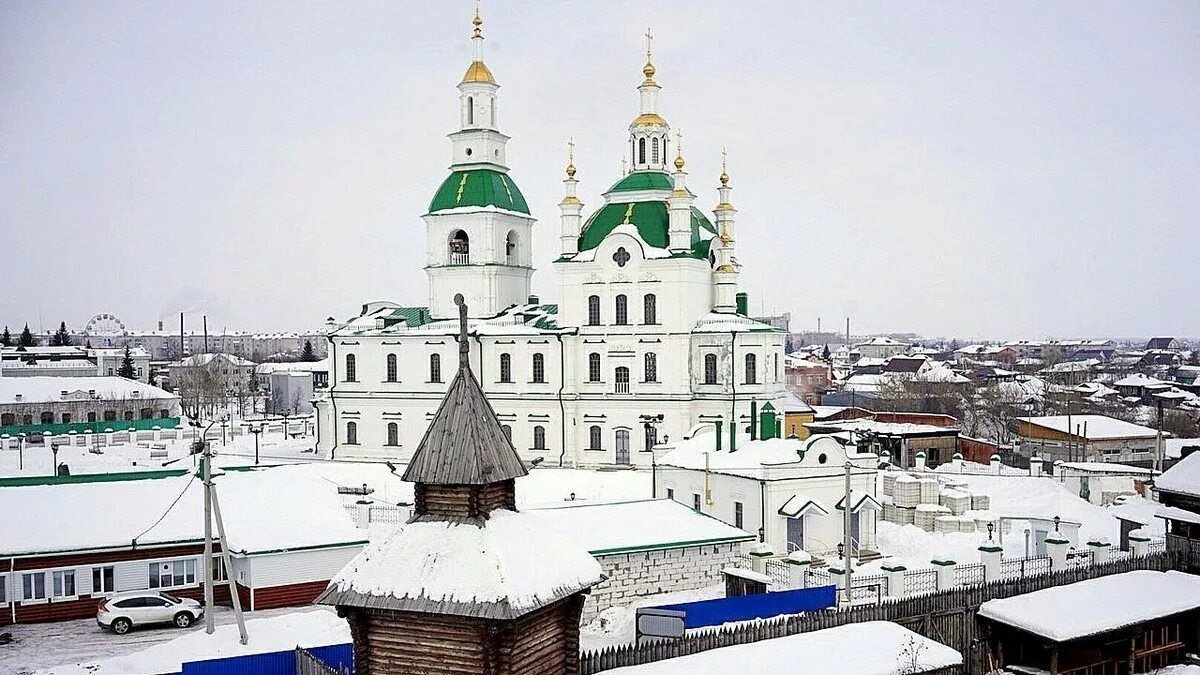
[58, 648]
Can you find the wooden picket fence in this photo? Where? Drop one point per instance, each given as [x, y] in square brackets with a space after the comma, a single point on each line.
[946, 616]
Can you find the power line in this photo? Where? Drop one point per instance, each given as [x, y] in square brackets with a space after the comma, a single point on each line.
[164, 514]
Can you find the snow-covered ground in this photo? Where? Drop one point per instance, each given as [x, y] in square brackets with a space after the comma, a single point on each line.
[78, 647]
[274, 448]
[1012, 497]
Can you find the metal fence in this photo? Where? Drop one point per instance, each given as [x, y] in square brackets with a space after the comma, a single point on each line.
[967, 575]
[817, 577]
[307, 663]
[920, 581]
[387, 514]
[1025, 567]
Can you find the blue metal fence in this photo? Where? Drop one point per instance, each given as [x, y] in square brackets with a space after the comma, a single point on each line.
[272, 663]
[756, 606]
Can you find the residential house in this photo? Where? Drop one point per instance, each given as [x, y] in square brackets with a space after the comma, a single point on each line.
[1178, 491]
[881, 347]
[1170, 344]
[808, 378]
[796, 414]
[899, 441]
[39, 408]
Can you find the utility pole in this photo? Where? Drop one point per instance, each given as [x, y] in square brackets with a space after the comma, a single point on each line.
[210, 505]
[846, 531]
[1158, 443]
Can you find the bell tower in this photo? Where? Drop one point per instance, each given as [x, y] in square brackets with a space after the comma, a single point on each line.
[478, 227]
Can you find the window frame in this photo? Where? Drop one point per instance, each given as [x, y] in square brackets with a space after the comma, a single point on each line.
[696, 503]
[539, 437]
[393, 434]
[650, 309]
[621, 310]
[751, 374]
[538, 366]
[59, 580]
[595, 371]
[621, 377]
[392, 373]
[650, 367]
[351, 432]
[351, 374]
[29, 584]
[710, 369]
[739, 515]
[435, 368]
[595, 437]
[98, 578]
[506, 368]
[593, 310]
[188, 576]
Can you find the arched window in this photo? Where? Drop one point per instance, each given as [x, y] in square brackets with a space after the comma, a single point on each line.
[510, 248]
[351, 368]
[539, 368]
[622, 310]
[48, 417]
[751, 369]
[654, 150]
[651, 367]
[460, 248]
[641, 151]
[710, 369]
[539, 438]
[621, 376]
[506, 367]
[651, 437]
[507, 429]
[435, 367]
[391, 367]
[470, 110]
[593, 367]
[351, 433]
[593, 437]
[393, 433]
[492, 111]
[593, 310]
[650, 309]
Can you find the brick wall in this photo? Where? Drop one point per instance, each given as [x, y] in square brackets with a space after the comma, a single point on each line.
[634, 575]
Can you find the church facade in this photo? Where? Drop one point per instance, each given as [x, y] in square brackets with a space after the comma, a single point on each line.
[649, 338]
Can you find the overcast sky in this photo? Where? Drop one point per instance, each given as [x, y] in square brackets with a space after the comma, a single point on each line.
[1001, 169]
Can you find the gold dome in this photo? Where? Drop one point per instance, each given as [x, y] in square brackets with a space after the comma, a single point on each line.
[679, 162]
[478, 72]
[649, 119]
[724, 179]
[648, 70]
[570, 171]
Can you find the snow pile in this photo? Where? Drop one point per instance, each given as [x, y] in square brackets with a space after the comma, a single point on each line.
[504, 563]
[869, 648]
[1098, 605]
[316, 627]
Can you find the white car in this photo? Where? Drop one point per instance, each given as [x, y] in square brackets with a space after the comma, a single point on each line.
[139, 608]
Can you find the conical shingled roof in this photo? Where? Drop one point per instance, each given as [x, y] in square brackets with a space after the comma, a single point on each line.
[464, 444]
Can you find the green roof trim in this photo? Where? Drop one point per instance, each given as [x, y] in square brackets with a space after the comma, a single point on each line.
[478, 187]
[651, 221]
[643, 180]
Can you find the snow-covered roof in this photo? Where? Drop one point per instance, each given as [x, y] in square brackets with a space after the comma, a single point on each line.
[645, 525]
[794, 404]
[1176, 513]
[716, 322]
[1175, 446]
[1183, 478]
[205, 359]
[1107, 467]
[867, 648]
[760, 459]
[1099, 427]
[1140, 380]
[882, 341]
[271, 509]
[1072, 366]
[293, 367]
[501, 568]
[882, 428]
[50, 389]
[1096, 606]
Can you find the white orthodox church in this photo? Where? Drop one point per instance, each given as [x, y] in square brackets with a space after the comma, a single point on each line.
[649, 339]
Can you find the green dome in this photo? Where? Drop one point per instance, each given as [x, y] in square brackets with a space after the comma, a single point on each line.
[478, 187]
[651, 220]
[643, 180]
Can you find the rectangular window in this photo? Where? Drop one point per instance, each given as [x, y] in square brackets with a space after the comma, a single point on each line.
[33, 586]
[102, 579]
[737, 515]
[696, 501]
[168, 573]
[218, 567]
[671, 493]
[3, 590]
[64, 584]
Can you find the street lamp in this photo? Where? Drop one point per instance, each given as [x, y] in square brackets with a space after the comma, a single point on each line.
[285, 419]
[256, 429]
[21, 451]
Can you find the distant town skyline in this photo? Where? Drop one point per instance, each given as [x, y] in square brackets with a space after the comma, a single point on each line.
[1016, 171]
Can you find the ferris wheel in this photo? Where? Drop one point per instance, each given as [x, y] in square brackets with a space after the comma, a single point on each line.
[104, 325]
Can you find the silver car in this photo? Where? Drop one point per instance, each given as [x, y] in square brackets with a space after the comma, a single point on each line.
[139, 608]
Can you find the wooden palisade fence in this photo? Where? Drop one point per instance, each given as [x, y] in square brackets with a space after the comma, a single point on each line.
[946, 616]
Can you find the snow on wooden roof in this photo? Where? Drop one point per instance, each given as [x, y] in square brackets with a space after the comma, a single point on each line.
[867, 648]
[265, 510]
[1183, 478]
[1095, 606]
[1099, 427]
[646, 525]
[1176, 513]
[499, 568]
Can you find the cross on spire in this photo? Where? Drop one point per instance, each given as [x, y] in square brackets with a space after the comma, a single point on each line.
[463, 347]
[649, 42]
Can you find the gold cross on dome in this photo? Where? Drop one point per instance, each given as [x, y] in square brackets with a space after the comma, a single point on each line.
[649, 42]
